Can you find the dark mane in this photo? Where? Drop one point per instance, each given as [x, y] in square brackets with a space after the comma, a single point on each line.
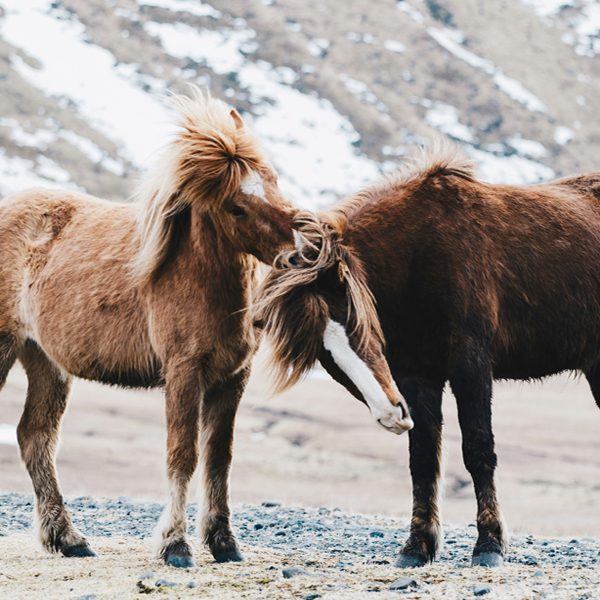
[442, 158]
[294, 314]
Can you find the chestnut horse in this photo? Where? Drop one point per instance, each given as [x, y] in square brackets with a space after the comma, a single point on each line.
[472, 282]
[147, 294]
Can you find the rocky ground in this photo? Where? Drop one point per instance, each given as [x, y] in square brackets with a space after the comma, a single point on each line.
[291, 552]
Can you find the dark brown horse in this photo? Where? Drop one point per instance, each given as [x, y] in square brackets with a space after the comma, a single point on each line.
[472, 282]
[147, 294]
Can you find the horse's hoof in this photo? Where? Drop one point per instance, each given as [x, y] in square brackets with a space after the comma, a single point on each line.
[488, 559]
[180, 562]
[407, 561]
[78, 552]
[228, 556]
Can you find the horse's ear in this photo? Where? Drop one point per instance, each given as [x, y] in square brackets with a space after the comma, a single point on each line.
[235, 115]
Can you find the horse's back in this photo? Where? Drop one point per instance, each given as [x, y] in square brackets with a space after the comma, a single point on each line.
[66, 282]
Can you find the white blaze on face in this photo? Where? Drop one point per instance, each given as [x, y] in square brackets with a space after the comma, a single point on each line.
[252, 185]
[337, 344]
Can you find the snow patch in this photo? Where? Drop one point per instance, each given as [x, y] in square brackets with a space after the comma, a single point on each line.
[585, 25]
[318, 46]
[394, 46]
[18, 174]
[411, 11]
[562, 135]
[43, 137]
[446, 118]
[448, 39]
[105, 96]
[194, 7]
[527, 147]
[362, 90]
[514, 170]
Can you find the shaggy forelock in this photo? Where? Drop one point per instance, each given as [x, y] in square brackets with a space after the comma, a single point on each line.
[294, 314]
[202, 166]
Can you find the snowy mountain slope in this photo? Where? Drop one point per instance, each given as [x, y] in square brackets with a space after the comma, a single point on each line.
[338, 90]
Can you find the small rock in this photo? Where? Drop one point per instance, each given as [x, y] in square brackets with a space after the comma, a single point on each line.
[312, 596]
[481, 590]
[146, 575]
[271, 568]
[403, 583]
[289, 572]
[258, 525]
[192, 584]
[87, 597]
[271, 503]
[539, 574]
[280, 533]
[165, 583]
[376, 534]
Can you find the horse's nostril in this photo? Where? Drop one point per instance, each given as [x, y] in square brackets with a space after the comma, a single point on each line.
[401, 406]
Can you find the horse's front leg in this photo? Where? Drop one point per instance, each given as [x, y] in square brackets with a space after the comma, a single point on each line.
[425, 442]
[183, 398]
[219, 408]
[471, 384]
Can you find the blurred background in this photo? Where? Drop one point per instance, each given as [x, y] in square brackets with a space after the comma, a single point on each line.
[340, 91]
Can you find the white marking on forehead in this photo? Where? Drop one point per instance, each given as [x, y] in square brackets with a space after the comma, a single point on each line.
[336, 342]
[252, 185]
[298, 240]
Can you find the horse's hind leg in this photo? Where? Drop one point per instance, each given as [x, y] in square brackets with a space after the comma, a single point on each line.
[38, 432]
[471, 384]
[219, 408]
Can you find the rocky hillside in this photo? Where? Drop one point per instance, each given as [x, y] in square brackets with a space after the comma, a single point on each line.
[339, 89]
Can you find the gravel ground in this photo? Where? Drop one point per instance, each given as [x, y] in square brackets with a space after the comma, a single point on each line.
[338, 554]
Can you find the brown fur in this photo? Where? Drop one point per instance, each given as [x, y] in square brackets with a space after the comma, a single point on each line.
[472, 282]
[149, 294]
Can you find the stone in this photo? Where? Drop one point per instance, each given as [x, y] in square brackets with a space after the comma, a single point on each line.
[87, 597]
[376, 534]
[165, 583]
[289, 572]
[146, 575]
[539, 574]
[271, 503]
[191, 584]
[312, 596]
[403, 584]
[481, 590]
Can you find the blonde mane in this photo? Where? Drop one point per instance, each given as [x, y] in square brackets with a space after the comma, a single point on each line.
[204, 165]
[292, 311]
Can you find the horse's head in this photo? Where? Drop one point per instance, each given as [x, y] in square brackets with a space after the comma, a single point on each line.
[230, 177]
[215, 166]
[256, 215]
[315, 305]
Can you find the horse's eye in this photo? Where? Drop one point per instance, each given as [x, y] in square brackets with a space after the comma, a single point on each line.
[238, 212]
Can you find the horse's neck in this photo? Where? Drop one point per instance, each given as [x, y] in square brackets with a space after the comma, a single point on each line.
[217, 263]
